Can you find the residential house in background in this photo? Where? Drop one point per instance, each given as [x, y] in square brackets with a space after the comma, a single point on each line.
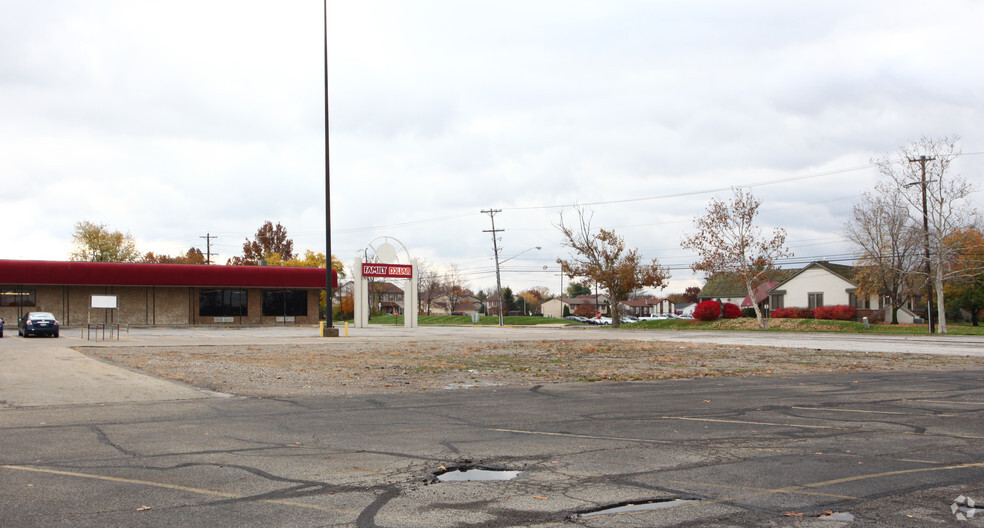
[825, 284]
[585, 305]
[466, 305]
[648, 306]
[761, 297]
[385, 297]
[723, 288]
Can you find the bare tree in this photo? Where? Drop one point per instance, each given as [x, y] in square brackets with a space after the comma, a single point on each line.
[728, 241]
[602, 257]
[453, 287]
[937, 200]
[888, 245]
[428, 286]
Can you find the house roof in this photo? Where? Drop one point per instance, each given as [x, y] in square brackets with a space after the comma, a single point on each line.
[385, 287]
[847, 273]
[42, 272]
[648, 301]
[761, 294]
[723, 285]
[732, 285]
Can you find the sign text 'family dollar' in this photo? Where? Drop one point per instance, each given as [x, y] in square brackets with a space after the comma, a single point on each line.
[397, 271]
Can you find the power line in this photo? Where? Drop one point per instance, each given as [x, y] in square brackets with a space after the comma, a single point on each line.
[704, 191]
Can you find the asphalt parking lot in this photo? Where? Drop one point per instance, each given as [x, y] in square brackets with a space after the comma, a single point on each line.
[124, 449]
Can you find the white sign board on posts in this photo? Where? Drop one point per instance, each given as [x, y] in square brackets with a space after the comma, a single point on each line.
[104, 301]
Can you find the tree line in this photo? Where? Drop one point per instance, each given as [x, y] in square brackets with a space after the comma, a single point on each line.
[270, 246]
[916, 233]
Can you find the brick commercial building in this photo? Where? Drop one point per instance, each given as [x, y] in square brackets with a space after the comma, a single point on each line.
[161, 294]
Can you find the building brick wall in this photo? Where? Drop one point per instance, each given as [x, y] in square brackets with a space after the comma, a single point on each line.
[141, 305]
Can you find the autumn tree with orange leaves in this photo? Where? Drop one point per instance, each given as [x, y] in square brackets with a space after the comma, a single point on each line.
[728, 241]
[966, 269]
[602, 257]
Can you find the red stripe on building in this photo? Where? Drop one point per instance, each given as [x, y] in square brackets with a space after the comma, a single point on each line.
[130, 274]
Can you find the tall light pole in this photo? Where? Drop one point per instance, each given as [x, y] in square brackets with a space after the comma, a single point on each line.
[329, 293]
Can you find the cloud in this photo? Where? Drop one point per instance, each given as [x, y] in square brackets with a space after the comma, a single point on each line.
[173, 120]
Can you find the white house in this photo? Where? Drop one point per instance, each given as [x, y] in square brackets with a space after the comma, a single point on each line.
[826, 284]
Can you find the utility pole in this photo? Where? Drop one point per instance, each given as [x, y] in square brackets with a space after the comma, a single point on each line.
[921, 160]
[208, 247]
[495, 248]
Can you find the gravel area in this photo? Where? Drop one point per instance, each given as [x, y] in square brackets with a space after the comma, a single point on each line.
[360, 368]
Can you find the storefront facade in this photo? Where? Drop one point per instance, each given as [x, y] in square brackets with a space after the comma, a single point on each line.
[162, 294]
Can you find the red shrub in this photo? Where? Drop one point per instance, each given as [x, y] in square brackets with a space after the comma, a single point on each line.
[707, 311]
[840, 312]
[792, 313]
[731, 311]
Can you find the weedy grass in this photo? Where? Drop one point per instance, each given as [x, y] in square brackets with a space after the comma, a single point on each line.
[802, 325]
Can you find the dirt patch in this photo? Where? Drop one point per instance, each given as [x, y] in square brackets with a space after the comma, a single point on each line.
[350, 368]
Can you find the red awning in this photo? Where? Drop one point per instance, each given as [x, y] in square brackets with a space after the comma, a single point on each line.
[41, 272]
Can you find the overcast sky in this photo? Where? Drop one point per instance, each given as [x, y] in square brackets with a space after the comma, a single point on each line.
[174, 120]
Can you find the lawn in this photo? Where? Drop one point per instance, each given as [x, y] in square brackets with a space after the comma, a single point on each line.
[465, 320]
[801, 325]
[775, 325]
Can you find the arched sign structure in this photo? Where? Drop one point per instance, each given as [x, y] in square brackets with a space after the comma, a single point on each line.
[385, 258]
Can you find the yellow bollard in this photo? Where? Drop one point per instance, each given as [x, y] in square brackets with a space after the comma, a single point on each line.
[346, 329]
[322, 328]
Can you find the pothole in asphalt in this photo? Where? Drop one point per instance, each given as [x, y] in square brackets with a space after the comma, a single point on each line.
[475, 474]
[838, 516]
[637, 506]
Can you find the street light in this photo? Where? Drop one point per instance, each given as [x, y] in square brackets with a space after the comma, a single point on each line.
[329, 293]
[499, 282]
[524, 304]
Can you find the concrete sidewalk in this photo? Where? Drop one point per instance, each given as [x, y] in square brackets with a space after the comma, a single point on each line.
[39, 371]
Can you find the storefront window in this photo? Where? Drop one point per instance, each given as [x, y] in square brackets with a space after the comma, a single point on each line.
[18, 297]
[222, 303]
[284, 303]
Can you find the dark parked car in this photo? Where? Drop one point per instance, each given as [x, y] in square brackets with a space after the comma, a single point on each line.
[37, 323]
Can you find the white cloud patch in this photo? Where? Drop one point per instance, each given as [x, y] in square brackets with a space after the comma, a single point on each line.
[173, 120]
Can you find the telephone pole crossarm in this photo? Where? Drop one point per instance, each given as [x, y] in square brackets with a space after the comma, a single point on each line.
[208, 246]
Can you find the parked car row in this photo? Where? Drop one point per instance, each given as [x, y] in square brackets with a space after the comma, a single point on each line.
[602, 321]
[586, 320]
[35, 323]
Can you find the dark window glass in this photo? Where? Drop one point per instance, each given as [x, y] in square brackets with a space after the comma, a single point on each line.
[281, 303]
[815, 300]
[222, 303]
[18, 297]
[861, 303]
[775, 302]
